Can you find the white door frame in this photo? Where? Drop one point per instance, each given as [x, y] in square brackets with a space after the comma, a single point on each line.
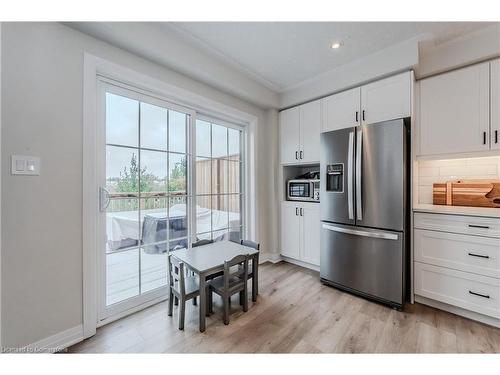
[93, 67]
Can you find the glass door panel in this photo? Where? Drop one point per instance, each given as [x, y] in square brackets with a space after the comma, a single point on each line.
[145, 210]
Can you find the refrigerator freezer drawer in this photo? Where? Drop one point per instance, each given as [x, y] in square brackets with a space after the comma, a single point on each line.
[363, 260]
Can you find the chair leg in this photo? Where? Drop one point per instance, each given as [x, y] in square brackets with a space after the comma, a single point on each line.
[209, 303]
[194, 301]
[170, 303]
[182, 313]
[245, 300]
[176, 301]
[226, 300]
[242, 296]
[210, 299]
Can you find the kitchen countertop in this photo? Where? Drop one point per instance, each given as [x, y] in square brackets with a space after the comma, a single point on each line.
[457, 210]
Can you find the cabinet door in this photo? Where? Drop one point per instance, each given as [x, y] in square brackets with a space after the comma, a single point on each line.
[311, 230]
[387, 99]
[454, 111]
[310, 129]
[495, 105]
[341, 110]
[290, 135]
[290, 230]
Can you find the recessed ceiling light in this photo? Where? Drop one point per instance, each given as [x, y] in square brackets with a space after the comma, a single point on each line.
[336, 45]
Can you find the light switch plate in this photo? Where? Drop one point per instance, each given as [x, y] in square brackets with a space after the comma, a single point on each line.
[25, 165]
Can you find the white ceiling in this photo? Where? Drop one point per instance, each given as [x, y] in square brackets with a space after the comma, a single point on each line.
[282, 55]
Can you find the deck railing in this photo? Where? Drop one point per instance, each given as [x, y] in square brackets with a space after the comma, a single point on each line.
[150, 200]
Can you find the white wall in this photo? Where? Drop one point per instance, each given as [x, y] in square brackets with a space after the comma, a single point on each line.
[391, 60]
[41, 236]
[478, 46]
[158, 43]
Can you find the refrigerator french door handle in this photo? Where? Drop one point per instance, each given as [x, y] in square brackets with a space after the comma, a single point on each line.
[359, 156]
[350, 193]
[103, 199]
[362, 233]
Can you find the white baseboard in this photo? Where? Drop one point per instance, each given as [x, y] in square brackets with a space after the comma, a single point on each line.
[300, 263]
[57, 342]
[269, 257]
[459, 311]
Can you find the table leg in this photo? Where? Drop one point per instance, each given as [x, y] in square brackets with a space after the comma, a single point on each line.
[255, 278]
[203, 301]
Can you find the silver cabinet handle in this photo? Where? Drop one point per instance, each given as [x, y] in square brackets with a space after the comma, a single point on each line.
[301, 153]
[103, 199]
[362, 233]
[296, 211]
[359, 156]
[296, 155]
[301, 211]
[350, 151]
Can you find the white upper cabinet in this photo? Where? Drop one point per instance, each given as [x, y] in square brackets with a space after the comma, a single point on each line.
[310, 129]
[342, 110]
[495, 104]
[386, 99]
[290, 135]
[454, 111]
[382, 100]
[300, 129]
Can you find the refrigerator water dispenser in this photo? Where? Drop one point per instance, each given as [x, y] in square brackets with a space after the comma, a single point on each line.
[335, 178]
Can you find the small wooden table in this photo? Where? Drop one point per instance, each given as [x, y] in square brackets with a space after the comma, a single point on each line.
[209, 259]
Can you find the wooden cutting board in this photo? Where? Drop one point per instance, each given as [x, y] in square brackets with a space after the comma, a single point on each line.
[476, 193]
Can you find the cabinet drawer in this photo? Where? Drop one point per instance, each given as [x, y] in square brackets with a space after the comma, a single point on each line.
[479, 226]
[466, 290]
[480, 255]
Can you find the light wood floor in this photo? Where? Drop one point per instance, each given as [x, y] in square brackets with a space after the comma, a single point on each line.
[295, 313]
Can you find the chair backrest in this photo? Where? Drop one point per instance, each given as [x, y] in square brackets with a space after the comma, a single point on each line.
[176, 273]
[202, 243]
[241, 271]
[252, 244]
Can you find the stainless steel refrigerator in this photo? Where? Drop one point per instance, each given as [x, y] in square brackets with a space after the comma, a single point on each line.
[365, 210]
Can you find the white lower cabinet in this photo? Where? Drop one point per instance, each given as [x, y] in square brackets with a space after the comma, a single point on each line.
[475, 254]
[457, 261]
[290, 231]
[311, 233]
[300, 231]
[469, 291]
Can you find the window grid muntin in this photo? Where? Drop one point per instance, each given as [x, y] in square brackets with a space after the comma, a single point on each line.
[241, 170]
[189, 118]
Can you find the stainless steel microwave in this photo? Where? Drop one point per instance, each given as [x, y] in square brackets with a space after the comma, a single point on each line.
[303, 190]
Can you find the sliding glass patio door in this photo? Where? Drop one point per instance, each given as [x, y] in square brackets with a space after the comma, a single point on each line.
[145, 199]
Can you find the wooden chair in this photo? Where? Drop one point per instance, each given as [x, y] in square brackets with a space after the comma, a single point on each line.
[181, 287]
[234, 280]
[253, 245]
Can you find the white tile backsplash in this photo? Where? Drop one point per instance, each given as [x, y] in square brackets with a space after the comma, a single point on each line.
[434, 171]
